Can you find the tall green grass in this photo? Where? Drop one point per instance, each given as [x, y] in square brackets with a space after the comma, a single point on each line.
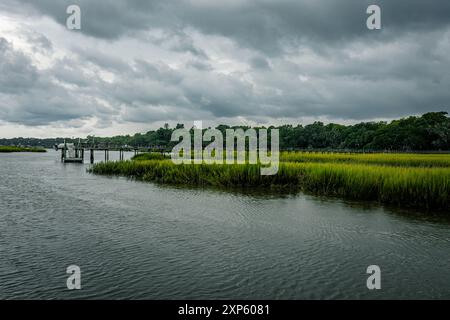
[389, 159]
[8, 149]
[150, 156]
[386, 159]
[402, 186]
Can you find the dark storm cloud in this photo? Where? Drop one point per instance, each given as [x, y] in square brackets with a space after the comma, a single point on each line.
[30, 96]
[17, 75]
[177, 40]
[281, 59]
[259, 63]
[264, 25]
[103, 19]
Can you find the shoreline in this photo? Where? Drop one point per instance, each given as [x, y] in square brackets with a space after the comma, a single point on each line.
[12, 149]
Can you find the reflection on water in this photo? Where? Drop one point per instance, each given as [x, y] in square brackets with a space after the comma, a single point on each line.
[142, 240]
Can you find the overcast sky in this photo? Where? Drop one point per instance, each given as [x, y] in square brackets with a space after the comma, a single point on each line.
[137, 64]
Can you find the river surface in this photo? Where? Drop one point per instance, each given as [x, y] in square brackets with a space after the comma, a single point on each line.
[136, 240]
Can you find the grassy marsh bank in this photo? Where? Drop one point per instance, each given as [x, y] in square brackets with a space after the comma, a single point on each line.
[402, 186]
[385, 159]
[388, 159]
[150, 156]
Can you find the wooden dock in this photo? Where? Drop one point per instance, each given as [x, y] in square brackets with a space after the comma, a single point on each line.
[76, 155]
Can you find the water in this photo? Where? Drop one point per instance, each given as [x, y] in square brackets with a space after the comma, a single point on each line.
[138, 240]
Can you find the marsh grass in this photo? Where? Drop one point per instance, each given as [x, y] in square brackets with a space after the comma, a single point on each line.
[385, 159]
[401, 186]
[150, 156]
[388, 159]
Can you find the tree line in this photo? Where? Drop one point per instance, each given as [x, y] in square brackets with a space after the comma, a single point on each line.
[429, 132]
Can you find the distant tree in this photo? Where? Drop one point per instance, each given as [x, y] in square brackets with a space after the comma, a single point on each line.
[430, 131]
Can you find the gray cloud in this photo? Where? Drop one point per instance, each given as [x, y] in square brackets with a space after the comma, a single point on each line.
[30, 96]
[264, 25]
[146, 61]
[17, 75]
